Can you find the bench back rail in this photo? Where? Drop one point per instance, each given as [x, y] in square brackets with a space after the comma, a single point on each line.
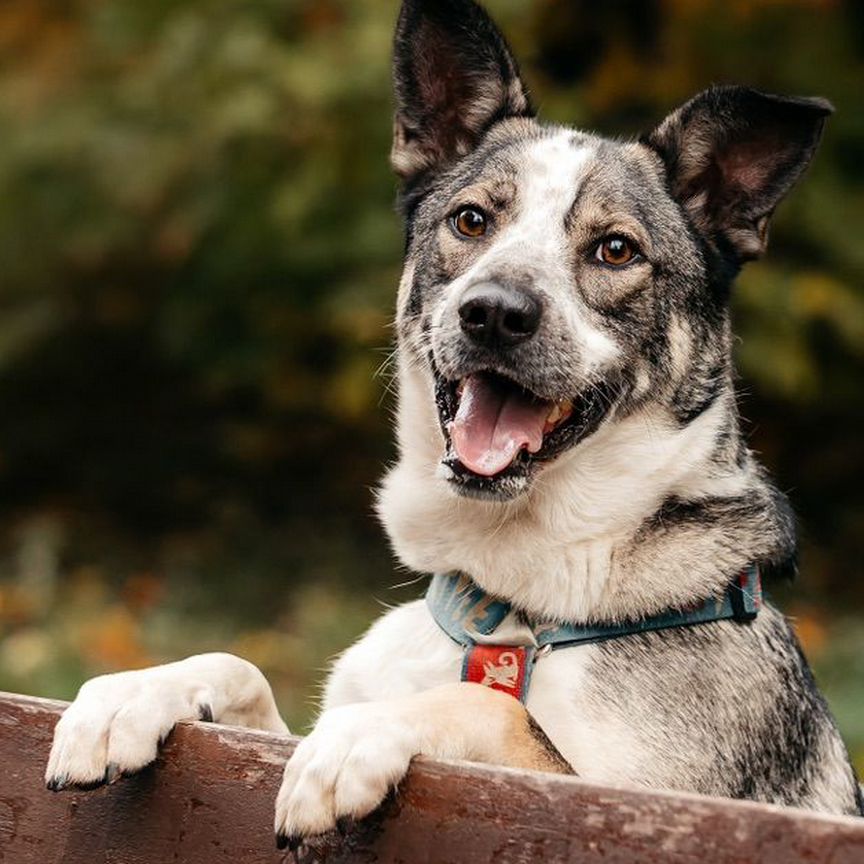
[209, 800]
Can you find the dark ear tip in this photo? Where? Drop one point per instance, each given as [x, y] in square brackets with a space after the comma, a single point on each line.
[446, 11]
[738, 93]
[824, 106]
[816, 105]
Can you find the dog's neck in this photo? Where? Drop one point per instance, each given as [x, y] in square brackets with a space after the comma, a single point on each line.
[634, 520]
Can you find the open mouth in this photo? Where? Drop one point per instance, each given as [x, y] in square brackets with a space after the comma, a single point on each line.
[498, 432]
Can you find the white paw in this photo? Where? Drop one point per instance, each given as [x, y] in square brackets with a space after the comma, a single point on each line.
[115, 725]
[345, 768]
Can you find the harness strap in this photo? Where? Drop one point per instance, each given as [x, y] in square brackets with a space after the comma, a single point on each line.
[502, 644]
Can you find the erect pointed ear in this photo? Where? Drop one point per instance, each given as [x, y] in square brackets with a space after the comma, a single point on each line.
[731, 154]
[454, 77]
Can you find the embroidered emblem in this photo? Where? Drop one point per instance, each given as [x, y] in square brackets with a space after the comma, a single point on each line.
[504, 673]
[501, 667]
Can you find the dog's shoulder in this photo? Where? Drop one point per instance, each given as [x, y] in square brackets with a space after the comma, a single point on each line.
[733, 707]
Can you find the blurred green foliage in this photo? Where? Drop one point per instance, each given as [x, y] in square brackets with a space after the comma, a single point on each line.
[198, 254]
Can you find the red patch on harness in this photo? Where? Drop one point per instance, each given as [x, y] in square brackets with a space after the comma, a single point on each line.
[501, 667]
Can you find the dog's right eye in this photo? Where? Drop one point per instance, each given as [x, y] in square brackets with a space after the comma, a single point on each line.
[616, 251]
[469, 222]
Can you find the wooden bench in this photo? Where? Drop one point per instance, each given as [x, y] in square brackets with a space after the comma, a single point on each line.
[209, 798]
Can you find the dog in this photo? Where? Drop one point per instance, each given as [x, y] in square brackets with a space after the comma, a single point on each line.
[571, 467]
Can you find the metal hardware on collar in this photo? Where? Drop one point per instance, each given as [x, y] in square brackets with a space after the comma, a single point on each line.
[501, 645]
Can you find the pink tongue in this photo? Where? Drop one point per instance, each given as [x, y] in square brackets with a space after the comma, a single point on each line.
[493, 423]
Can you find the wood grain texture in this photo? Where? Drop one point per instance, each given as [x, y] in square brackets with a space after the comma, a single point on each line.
[209, 798]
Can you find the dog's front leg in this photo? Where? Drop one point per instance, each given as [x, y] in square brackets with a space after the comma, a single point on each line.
[356, 753]
[116, 723]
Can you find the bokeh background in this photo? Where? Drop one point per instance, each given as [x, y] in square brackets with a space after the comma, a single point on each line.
[198, 258]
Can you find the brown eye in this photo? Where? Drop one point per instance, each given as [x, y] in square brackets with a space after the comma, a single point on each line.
[470, 222]
[616, 251]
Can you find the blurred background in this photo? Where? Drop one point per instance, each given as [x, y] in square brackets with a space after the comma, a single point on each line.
[198, 258]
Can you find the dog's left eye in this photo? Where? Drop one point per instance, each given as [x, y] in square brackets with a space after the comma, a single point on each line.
[615, 251]
[469, 222]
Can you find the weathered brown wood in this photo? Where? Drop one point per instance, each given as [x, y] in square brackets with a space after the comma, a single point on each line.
[209, 798]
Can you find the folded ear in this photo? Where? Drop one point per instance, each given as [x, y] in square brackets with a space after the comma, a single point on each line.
[732, 154]
[454, 77]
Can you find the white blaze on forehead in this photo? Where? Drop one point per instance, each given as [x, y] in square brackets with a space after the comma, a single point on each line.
[549, 181]
[550, 178]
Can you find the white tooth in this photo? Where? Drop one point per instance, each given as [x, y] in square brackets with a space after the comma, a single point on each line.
[559, 411]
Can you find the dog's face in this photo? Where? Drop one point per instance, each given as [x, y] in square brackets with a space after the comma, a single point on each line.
[557, 281]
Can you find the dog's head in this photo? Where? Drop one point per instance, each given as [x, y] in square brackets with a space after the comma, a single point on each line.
[557, 281]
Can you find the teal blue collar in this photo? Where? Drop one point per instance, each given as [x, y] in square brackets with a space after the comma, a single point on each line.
[476, 620]
[464, 611]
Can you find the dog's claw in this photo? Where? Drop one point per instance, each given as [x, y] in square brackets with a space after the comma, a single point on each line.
[205, 713]
[59, 784]
[112, 773]
[291, 843]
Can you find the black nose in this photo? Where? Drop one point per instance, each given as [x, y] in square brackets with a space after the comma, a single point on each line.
[498, 316]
